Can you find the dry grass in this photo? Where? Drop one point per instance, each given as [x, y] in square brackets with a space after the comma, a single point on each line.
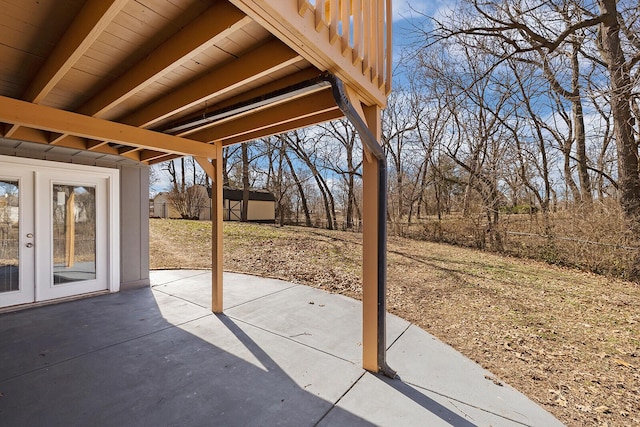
[567, 339]
[594, 238]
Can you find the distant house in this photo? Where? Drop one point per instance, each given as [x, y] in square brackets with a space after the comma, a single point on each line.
[262, 206]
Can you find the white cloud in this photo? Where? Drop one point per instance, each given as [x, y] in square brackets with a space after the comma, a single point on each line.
[406, 9]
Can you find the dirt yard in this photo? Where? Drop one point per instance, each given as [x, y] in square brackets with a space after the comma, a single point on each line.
[568, 340]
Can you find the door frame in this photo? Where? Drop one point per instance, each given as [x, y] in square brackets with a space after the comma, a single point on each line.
[26, 255]
[40, 216]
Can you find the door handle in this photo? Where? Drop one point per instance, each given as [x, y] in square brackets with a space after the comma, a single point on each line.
[29, 245]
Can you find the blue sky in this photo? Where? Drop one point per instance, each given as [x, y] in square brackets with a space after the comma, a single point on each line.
[407, 15]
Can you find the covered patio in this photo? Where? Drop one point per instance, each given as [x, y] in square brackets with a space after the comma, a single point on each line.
[282, 354]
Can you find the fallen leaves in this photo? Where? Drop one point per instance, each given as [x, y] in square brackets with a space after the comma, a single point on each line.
[494, 380]
[623, 363]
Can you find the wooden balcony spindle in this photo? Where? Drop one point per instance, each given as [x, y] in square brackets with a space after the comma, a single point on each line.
[334, 11]
[388, 49]
[357, 32]
[366, 57]
[345, 20]
[320, 14]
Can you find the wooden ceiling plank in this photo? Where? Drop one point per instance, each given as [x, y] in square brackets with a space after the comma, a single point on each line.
[50, 119]
[285, 127]
[282, 113]
[221, 20]
[85, 29]
[255, 64]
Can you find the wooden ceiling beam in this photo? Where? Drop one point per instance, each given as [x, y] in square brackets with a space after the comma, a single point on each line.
[74, 142]
[83, 32]
[271, 87]
[50, 119]
[298, 108]
[286, 127]
[127, 149]
[92, 20]
[29, 134]
[94, 144]
[150, 156]
[252, 111]
[260, 62]
[164, 158]
[133, 155]
[218, 22]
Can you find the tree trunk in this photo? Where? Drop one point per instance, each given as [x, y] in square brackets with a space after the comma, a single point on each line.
[575, 191]
[303, 197]
[579, 129]
[244, 216]
[621, 86]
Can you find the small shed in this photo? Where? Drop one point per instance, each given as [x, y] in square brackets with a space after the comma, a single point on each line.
[161, 207]
[262, 206]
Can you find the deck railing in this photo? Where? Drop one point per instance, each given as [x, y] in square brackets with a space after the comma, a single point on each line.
[363, 29]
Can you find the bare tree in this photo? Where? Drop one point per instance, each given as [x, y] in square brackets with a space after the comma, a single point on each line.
[305, 148]
[344, 160]
[520, 28]
[188, 197]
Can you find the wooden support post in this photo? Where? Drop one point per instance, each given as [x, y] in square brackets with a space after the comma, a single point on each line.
[214, 171]
[370, 184]
[216, 232]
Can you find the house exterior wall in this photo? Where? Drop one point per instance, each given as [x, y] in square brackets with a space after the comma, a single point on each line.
[134, 226]
[134, 208]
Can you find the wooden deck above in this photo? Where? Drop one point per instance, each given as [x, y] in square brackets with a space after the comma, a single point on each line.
[126, 77]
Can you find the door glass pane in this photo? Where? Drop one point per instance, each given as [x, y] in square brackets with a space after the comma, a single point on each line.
[74, 233]
[9, 235]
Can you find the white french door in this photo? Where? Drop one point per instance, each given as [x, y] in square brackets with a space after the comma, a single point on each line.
[56, 232]
[17, 253]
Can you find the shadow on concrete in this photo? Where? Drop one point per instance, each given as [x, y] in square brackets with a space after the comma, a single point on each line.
[121, 359]
[427, 403]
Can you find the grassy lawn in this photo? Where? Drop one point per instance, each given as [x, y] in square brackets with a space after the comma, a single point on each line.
[568, 340]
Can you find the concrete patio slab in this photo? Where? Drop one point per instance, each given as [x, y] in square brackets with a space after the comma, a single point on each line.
[42, 337]
[328, 322]
[197, 288]
[161, 277]
[437, 387]
[175, 378]
[455, 377]
[149, 358]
